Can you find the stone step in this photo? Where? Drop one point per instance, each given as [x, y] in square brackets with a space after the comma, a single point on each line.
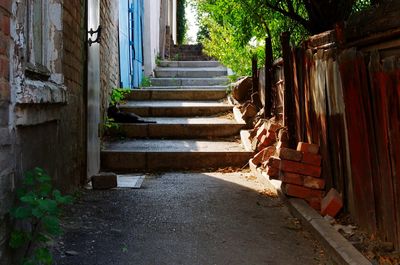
[169, 155]
[176, 94]
[183, 128]
[215, 81]
[199, 72]
[185, 57]
[187, 87]
[176, 108]
[192, 64]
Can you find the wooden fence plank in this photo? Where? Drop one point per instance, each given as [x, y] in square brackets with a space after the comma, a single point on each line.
[337, 126]
[352, 69]
[382, 178]
[392, 67]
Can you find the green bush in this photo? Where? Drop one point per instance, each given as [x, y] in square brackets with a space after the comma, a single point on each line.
[39, 207]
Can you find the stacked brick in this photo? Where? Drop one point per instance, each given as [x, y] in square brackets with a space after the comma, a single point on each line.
[300, 172]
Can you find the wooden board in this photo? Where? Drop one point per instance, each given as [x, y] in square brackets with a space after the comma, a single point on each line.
[353, 75]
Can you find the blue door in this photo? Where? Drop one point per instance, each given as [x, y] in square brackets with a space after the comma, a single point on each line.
[130, 42]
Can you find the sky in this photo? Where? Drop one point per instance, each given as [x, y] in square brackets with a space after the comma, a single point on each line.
[192, 24]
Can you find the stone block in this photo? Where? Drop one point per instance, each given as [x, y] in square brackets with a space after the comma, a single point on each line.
[104, 181]
[294, 167]
[289, 154]
[332, 203]
[308, 148]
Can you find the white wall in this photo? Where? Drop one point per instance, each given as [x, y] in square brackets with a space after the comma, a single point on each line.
[151, 35]
[151, 31]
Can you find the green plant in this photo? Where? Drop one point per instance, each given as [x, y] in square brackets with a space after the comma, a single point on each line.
[118, 95]
[146, 82]
[177, 57]
[110, 124]
[38, 214]
[181, 21]
[158, 60]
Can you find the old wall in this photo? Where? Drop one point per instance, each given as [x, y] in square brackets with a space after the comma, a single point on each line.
[109, 48]
[42, 108]
[6, 150]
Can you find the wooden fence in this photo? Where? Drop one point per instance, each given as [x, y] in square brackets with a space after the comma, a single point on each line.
[346, 98]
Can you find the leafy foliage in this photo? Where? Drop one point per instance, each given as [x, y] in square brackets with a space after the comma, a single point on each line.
[39, 206]
[181, 21]
[146, 82]
[228, 28]
[118, 95]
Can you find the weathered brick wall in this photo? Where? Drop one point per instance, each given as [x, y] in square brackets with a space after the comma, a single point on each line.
[73, 127]
[109, 61]
[6, 158]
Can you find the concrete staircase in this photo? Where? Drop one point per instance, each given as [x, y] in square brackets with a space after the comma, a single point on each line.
[195, 128]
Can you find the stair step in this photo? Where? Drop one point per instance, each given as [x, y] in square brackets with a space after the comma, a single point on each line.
[188, 87]
[183, 128]
[149, 155]
[192, 64]
[176, 94]
[215, 81]
[175, 108]
[199, 72]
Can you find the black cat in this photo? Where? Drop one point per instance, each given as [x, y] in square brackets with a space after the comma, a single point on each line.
[124, 117]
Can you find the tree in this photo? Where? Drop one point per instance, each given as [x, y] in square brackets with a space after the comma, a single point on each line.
[244, 20]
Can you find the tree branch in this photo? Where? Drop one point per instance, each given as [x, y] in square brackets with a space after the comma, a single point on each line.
[294, 16]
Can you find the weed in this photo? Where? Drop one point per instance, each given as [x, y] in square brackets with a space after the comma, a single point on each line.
[146, 82]
[118, 95]
[39, 207]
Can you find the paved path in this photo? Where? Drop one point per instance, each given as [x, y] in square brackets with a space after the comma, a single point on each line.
[185, 218]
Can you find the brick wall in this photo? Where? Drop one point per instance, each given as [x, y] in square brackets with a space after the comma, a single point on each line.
[73, 126]
[109, 47]
[6, 158]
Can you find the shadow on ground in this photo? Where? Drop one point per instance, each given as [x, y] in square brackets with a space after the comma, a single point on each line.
[185, 218]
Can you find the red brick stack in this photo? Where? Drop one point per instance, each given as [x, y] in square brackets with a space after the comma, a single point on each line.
[300, 172]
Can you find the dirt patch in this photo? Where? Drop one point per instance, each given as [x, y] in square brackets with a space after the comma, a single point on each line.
[375, 250]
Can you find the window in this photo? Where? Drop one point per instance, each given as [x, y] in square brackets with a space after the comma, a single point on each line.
[37, 30]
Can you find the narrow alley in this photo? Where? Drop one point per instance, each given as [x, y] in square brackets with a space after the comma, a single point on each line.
[186, 218]
[199, 132]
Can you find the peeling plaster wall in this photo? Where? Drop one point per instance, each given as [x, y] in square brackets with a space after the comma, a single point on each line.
[42, 114]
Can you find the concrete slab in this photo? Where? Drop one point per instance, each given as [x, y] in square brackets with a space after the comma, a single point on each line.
[180, 88]
[130, 181]
[185, 128]
[189, 64]
[167, 155]
[200, 72]
[215, 81]
[178, 146]
[175, 108]
[176, 94]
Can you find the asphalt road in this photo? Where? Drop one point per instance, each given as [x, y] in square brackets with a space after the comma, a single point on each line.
[185, 218]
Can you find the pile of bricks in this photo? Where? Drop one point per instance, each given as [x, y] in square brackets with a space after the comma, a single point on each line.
[264, 134]
[300, 172]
